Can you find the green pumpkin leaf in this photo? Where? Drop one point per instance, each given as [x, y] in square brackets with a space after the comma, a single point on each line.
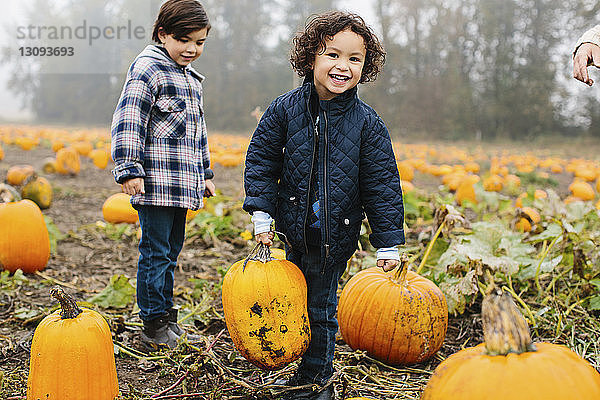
[118, 294]
[552, 231]
[54, 233]
[459, 292]
[595, 303]
[494, 245]
[25, 313]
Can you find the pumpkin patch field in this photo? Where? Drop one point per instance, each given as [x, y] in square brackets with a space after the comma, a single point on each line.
[481, 220]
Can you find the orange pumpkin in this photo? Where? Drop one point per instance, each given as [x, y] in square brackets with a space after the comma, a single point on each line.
[99, 157]
[398, 317]
[493, 183]
[39, 190]
[406, 170]
[67, 161]
[83, 147]
[1, 154]
[466, 190]
[17, 174]
[582, 190]
[72, 355]
[117, 209]
[191, 214]
[49, 165]
[24, 239]
[265, 307]
[509, 366]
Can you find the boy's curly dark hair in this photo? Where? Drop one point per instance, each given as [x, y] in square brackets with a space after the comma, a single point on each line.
[321, 27]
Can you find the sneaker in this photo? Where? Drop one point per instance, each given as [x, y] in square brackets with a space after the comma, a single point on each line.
[177, 329]
[315, 392]
[326, 393]
[156, 334]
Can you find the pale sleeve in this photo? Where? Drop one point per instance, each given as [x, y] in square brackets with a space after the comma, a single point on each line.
[590, 36]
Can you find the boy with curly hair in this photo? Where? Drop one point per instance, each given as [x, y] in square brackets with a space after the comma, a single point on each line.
[318, 159]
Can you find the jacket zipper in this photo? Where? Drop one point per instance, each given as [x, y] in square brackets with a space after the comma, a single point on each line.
[312, 165]
[325, 208]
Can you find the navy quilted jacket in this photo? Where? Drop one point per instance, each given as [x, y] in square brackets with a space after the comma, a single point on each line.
[355, 161]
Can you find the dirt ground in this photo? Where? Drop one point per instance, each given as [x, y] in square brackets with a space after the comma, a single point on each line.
[85, 261]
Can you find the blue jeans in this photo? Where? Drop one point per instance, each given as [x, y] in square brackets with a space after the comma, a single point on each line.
[317, 363]
[163, 232]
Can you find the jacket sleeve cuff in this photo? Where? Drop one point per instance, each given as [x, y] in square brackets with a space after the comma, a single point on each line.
[209, 173]
[387, 239]
[254, 204]
[388, 253]
[262, 222]
[591, 36]
[127, 170]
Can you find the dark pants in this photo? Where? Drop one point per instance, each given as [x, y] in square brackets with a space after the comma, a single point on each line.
[163, 232]
[317, 363]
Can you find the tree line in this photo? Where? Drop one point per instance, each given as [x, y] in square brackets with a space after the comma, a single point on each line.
[455, 69]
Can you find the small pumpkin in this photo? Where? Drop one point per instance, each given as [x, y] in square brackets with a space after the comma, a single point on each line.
[83, 147]
[265, 307]
[72, 355]
[99, 157]
[582, 190]
[39, 190]
[24, 239]
[397, 317]
[509, 366]
[49, 165]
[493, 183]
[117, 209]
[1, 153]
[465, 190]
[191, 214]
[67, 161]
[17, 174]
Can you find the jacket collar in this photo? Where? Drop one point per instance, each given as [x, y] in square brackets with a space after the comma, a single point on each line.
[339, 104]
[157, 53]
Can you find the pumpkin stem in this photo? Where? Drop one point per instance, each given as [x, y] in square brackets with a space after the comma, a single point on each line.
[261, 252]
[69, 307]
[504, 328]
[400, 275]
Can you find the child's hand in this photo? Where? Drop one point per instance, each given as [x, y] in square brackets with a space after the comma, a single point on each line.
[210, 188]
[587, 54]
[387, 265]
[265, 238]
[133, 186]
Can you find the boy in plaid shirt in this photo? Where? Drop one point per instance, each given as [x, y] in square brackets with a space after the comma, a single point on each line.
[161, 156]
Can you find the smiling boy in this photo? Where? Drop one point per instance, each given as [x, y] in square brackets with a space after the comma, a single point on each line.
[318, 159]
[160, 148]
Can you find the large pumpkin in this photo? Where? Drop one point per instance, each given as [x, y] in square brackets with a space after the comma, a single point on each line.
[398, 317]
[72, 355]
[117, 209]
[509, 366]
[24, 239]
[265, 307]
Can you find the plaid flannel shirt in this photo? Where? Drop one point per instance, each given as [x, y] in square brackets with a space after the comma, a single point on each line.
[158, 132]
